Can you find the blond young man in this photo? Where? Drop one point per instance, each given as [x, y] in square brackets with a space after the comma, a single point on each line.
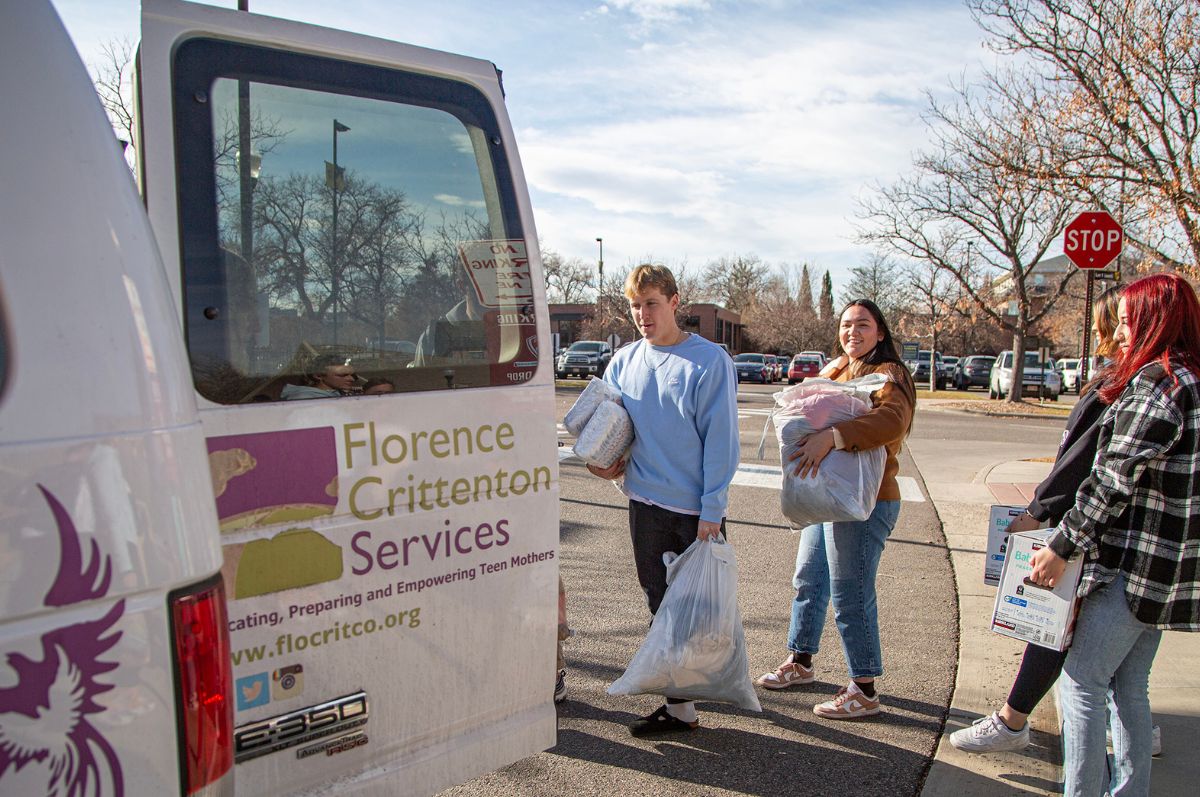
[681, 392]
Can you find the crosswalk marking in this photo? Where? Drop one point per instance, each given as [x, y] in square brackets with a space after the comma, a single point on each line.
[909, 489]
[758, 476]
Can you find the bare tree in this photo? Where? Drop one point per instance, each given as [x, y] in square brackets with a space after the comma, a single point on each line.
[735, 281]
[567, 281]
[878, 279]
[379, 249]
[933, 294]
[112, 78]
[612, 310]
[775, 322]
[985, 225]
[780, 320]
[1107, 93]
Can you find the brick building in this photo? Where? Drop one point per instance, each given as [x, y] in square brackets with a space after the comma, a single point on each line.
[707, 320]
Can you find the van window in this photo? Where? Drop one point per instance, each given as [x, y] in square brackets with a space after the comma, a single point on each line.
[373, 224]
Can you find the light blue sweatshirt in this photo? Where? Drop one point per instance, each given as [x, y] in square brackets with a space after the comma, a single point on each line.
[683, 403]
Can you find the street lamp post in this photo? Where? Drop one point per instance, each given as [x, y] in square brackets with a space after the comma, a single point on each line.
[600, 290]
[335, 180]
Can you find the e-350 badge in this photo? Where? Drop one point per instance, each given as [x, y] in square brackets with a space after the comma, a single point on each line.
[259, 738]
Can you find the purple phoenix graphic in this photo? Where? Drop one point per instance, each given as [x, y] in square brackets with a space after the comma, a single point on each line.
[44, 718]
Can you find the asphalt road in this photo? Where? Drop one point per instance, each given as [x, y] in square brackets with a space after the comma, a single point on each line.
[785, 749]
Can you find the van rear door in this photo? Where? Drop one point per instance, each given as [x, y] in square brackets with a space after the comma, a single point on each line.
[349, 236]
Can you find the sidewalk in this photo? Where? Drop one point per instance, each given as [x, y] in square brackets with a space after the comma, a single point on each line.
[962, 492]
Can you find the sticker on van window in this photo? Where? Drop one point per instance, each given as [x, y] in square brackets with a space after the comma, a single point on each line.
[499, 271]
[45, 726]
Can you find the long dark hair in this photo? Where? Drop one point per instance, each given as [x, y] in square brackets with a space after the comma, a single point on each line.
[885, 350]
[1164, 322]
[1106, 327]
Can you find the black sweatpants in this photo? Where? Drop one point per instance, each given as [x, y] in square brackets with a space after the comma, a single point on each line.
[655, 531]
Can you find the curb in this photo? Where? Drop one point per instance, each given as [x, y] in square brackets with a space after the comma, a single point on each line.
[1018, 415]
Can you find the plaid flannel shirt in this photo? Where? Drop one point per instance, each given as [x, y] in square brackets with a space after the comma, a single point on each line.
[1138, 512]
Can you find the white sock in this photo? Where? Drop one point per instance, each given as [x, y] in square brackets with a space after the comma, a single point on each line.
[1004, 727]
[684, 712]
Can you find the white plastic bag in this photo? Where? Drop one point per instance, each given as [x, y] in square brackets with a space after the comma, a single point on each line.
[596, 393]
[606, 436]
[695, 649]
[843, 489]
[846, 482]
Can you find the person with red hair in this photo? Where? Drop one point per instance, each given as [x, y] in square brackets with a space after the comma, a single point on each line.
[1136, 521]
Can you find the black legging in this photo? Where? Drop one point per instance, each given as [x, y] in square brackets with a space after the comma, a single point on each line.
[1040, 668]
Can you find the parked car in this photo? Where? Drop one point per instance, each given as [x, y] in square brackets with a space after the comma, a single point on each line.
[820, 355]
[973, 371]
[753, 368]
[950, 363]
[584, 358]
[1039, 378]
[803, 366]
[781, 366]
[920, 370]
[1068, 370]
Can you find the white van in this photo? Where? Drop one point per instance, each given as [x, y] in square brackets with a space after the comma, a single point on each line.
[114, 649]
[389, 561]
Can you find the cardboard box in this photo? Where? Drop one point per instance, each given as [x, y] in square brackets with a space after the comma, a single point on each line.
[997, 541]
[1028, 612]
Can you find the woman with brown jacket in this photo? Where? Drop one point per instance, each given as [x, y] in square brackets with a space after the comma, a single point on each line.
[840, 560]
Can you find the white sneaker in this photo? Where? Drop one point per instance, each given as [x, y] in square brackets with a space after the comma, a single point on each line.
[786, 675]
[990, 735]
[1155, 741]
[849, 704]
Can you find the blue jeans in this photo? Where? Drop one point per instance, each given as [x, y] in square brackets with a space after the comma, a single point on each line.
[1113, 650]
[840, 560]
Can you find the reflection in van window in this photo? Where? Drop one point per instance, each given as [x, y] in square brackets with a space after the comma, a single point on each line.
[366, 230]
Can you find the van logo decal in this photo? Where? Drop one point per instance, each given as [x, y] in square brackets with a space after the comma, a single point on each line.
[252, 691]
[267, 478]
[44, 719]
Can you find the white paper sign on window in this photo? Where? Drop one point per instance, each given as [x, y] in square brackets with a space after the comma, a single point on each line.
[499, 271]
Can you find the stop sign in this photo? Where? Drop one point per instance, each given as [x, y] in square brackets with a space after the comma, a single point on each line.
[1093, 240]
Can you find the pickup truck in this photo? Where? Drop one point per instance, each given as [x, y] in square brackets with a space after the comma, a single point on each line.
[583, 358]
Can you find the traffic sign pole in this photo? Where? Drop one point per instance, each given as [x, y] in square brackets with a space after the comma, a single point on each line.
[1087, 333]
[1091, 241]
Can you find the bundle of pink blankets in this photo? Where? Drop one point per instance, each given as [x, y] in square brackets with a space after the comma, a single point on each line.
[846, 483]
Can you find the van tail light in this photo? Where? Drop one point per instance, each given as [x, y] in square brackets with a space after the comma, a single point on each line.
[204, 683]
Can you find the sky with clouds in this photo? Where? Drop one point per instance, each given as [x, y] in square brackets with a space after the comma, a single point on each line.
[678, 130]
